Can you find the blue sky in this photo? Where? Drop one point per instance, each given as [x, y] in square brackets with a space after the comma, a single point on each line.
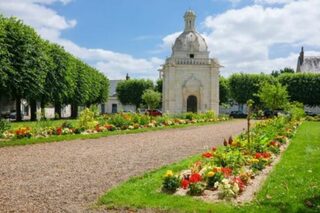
[132, 26]
[135, 36]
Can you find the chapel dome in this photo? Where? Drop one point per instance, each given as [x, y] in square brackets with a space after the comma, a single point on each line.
[190, 40]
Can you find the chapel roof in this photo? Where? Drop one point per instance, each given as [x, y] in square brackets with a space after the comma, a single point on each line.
[308, 63]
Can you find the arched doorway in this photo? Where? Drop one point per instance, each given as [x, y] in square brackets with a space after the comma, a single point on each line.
[192, 104]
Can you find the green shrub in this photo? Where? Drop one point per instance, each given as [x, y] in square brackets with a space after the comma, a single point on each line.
[4, 126]
[170, 184]
[87, 119]
[296, 111]
[196, 189]
[209, 115]
[119, 121]
[67, 124]
[144, 119]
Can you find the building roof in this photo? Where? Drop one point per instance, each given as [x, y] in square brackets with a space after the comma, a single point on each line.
[113, 87]
[310, 64]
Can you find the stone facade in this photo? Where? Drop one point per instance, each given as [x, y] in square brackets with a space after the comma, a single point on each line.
[190, 77]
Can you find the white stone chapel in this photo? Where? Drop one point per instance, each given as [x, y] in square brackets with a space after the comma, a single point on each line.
[190, 77]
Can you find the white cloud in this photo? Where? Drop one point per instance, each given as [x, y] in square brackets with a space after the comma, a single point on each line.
[242, 39]
[273, 1]
[49, 25]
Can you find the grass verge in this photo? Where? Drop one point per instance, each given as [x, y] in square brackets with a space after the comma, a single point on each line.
[58, 138]
[292, 186]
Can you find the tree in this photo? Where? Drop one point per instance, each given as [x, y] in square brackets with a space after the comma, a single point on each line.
[273, 96]
[26, 76]
[151, 98]
[243, 87]
[81, 92]
[59, 84]
[158, 86]
[276, 73]
[4, 57]
[302, 87]
[130, 91]
[224, 91]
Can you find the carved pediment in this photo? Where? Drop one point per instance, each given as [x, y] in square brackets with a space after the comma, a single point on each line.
[192, 84]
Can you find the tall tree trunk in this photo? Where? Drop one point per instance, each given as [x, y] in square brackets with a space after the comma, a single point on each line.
[18, 109]
[57, 110]
[33, 109]
[74, 111]
[43, 112]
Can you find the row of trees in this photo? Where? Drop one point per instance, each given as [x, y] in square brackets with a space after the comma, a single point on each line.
[301, 87]
[132, 92]
[36, 70]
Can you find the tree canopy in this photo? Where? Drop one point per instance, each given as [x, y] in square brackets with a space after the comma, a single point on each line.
[151, 98]
[37, 70]
[303, 87]
[244, 87]
[224, 91]
[130, 91]
[273, 96]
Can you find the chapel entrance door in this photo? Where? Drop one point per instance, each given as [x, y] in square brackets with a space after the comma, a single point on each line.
[192, 104]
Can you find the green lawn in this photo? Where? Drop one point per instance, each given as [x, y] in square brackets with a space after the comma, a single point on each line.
[291, 187]
[58, 138]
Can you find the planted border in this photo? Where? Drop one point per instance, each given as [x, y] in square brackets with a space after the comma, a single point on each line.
[90, 126]
[291, 185]
[225, 172]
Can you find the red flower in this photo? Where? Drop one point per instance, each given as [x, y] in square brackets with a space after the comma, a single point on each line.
[258, 155]
[262, 155]
[196, 177]
[207, 155]
[266, 154]
[214, 149]
[59, 131]
[184, 183]
[226, 171]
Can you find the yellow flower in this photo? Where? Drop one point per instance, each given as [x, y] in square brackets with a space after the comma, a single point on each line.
[254, 160]
[169, 173]
[210, 174]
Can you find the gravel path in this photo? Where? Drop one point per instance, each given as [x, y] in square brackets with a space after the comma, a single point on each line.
[70, 176]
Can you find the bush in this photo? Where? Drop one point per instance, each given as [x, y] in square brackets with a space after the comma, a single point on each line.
[196, 189]
[119, 121]
[170, 183]
[67, 124]
[87, 119]
[296, 111]
[4, 126]
[209, 115]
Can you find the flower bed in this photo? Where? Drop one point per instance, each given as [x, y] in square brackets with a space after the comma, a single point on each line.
[226, 172]
[89, 123]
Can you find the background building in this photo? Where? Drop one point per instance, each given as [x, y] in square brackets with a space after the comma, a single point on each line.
[308, 64]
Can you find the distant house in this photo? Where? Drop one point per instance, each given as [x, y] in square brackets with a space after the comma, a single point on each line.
[113, 105]
[308, 64]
